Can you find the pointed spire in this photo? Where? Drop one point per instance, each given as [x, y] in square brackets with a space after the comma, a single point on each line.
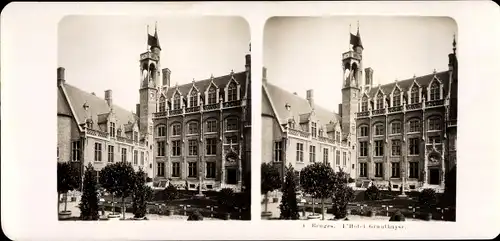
[211, 76]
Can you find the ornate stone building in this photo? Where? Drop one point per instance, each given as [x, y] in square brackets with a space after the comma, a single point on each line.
[406, 130]
[397, 134]
[202, 130]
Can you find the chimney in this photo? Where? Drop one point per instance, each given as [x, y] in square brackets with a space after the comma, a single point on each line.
[310, 98]
[264, 74]
[138, 110]
[369, 76]
[108, 96]
[60, 76]
[340, 110]
[166, 76]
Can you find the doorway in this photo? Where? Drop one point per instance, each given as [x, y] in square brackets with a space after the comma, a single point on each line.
[231, 177]
[434, 176]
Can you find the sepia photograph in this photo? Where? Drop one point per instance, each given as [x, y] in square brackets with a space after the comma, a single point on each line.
[359, 118]
[153, 118]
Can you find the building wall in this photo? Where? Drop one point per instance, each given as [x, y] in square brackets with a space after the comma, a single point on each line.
[89, 153]
[67, 131]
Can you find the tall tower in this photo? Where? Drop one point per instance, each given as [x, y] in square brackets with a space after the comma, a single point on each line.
[150, 75]
[352, 81]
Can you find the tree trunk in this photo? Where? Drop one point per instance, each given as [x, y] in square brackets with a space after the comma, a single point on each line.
[313, 207]
[113, 203]
[265, 202]
[65, 201]
[322, 209]
[123, 207]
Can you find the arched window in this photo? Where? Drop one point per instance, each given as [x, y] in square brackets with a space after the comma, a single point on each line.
[176, 129]
[192, 127]
[434, 91]
[434, 123]
[212, 95]
[211, 126]
[232, 124]
[379, 129]
[177, 101]
[414, 97]
[232, 92]
[414, 125]
[363, 131]
[396, 127]
[161, 131]
[396, 97]
[193, 98]
[364, 104]
[380, 101]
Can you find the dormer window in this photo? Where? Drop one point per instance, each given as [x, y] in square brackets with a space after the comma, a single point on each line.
[136, 136]
[232, 92]
[112, 129]
[162, 105]
[193, 98]
[414, 95]
[119, 132]
[364, 104]
[212, 96]
[177, 101]
[396, 97]
[434, 91]
[313, 129]
[380, 101]
[337, 136]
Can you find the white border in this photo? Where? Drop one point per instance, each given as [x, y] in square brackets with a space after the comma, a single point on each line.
[28, 57]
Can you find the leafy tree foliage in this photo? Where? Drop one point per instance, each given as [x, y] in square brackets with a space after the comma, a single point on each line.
[318, 180]
[119, 179]
[342, 194]
[288, 206]
[270, 180]
[141, 195]
[427, 198]
[68, 179]
[195, 216]
[89, 207]
[169, 194]
[226, 199]
[372, 193]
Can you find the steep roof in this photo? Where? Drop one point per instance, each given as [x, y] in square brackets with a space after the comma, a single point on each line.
[299, 107]
[98, 107]
[202, 85]
[405, 85]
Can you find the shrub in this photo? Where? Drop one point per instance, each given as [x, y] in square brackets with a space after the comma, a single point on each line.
[170, 193]
[288, 206]
[351, 180]
[89, 207]
[149, 179]
[226, 199]
[372, 193]
[195, 216]
[343, 195]
[427, 198]
[398, 217]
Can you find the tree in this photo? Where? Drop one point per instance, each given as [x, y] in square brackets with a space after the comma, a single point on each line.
[109, 181]
[68, 179]
[141, 194]
[119, 179]
[89, 207]
[372, 193]
[342, 194]
[270, 180]
[288, 206]
[318, 181]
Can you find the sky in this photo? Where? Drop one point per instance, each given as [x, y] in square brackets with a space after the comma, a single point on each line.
[302, 53]
[102, 52]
